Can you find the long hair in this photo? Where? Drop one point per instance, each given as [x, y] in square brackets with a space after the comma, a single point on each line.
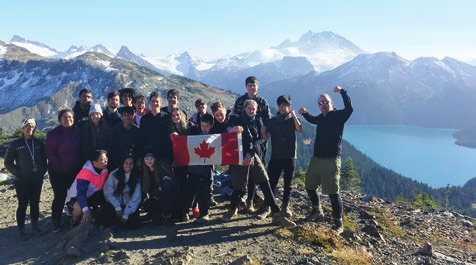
[182, 127]
[160, 170]
[99, 131]
[121, 177]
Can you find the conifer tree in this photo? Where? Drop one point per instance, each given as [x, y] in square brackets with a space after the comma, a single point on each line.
[350, 179]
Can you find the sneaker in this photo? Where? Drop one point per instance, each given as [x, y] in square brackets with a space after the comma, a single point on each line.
[250, 206]
[56, 227]
[315, 215]
[202, 219]
[229, 215]
[338, 227]
[196, 212]
[266, 212]
[212, 202]
[286, 209]
[281, 220]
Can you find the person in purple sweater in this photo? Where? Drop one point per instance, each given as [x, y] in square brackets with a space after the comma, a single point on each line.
[63, 150]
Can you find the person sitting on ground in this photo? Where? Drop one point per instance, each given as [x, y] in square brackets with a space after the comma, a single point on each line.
[25, 159]
[159, 190]
[86, 194]
[122, 192]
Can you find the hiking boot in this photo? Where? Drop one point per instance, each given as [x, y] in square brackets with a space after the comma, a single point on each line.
[281, 220]
[266, 212]
[250, 206]
[338, 227]
[229, 215]
[56, 227]
[196, 212]
[202, 219]
[22, 234]
[286, 210]
[315, 215]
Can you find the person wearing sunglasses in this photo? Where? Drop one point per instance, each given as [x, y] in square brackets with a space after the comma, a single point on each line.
[324, 167]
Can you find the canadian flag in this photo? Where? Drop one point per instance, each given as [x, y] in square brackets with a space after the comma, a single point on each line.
[208, 149]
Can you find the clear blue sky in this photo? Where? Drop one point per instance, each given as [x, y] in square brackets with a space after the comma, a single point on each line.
[211, 29]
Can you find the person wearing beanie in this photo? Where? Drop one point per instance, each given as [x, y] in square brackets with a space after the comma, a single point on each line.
[25, 159]
[96, 134]
[159, 188]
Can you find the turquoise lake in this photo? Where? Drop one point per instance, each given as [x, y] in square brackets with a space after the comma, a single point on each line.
[428, 155]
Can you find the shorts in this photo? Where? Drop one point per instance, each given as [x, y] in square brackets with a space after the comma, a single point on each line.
[324, 172]
[255, 171]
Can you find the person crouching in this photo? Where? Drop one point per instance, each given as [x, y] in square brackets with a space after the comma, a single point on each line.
[86, 194]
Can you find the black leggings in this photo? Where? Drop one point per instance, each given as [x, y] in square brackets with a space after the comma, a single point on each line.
[60, 184]
[28, 193]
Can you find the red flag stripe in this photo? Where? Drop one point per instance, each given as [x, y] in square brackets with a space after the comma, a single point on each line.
[230, 149]
[181, 158]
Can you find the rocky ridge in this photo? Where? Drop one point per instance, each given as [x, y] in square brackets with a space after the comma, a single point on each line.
[376, 232]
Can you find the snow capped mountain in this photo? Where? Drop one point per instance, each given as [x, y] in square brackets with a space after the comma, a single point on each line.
[126, 54]
[75, 51]
[182, 64]
[387, 89]
[34, 46]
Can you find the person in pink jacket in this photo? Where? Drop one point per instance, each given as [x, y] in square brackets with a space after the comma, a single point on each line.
[86, 192]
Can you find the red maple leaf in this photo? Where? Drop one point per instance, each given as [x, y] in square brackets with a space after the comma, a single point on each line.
[204, 151]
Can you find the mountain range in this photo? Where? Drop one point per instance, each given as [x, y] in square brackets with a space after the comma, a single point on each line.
[386, 87]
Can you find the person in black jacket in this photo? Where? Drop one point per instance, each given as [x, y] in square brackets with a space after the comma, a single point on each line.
[262, 112]
[126, 135]
[324, 167]
[26, 160]
[111, 114]
[81, 107]
[252, 168]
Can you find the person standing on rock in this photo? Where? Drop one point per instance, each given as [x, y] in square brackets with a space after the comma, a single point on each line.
[264, 114]
[25, 159]
[324, 167]
[252, 167]
[282, 130]
[63, 150]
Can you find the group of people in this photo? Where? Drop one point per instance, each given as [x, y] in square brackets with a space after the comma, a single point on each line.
[110, 164]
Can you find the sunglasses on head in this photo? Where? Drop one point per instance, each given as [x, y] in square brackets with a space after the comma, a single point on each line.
[323, 102]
